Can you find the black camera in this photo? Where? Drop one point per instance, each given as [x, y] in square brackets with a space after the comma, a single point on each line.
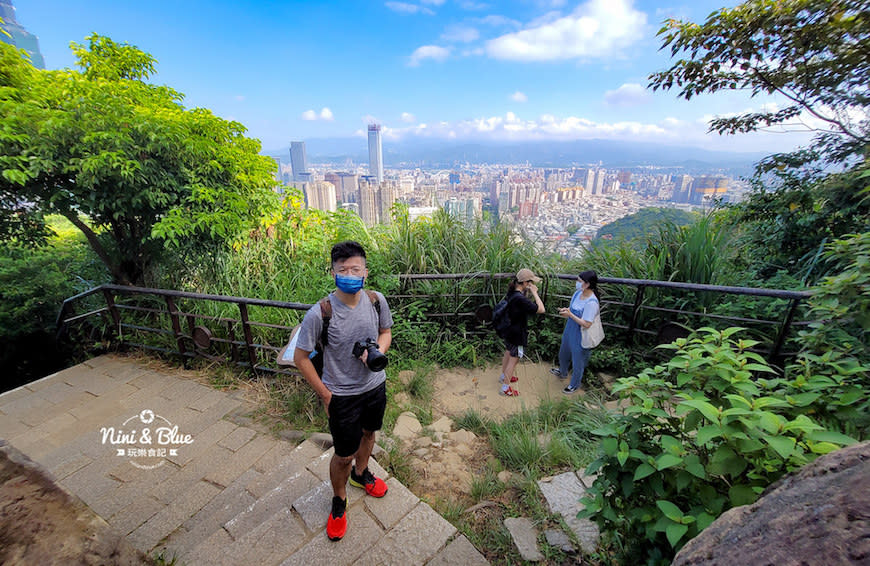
[376, 360]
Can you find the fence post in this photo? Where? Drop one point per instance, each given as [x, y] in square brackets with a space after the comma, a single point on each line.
[773, 358]
[635, 313]
[113, 310]
[249, 338]
[176, 324]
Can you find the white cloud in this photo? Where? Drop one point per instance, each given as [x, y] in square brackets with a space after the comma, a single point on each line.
[519, 97]
[629, 94]
[433, 2]
[408, 118]
[405, 8]
[428, 52]
[325, 115]
[460, 34]
[472, 6]
[598, 28]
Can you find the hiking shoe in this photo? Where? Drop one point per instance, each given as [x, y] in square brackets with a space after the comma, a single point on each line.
[336, 525]
[510, 392]
[376, 487]
[557, 373]
[570, 390]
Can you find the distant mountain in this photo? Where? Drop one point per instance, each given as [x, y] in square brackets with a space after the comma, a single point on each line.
[611, 154]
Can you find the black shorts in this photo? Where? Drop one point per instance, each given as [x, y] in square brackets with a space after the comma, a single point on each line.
[514, 350]
[349, 415]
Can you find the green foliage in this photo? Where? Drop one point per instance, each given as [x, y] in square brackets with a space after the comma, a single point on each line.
[33, 284]
[144, 170]
[546, 439]
[700, 252]
[810, 51]
[706, 431]
[635, 227]
[787, 228]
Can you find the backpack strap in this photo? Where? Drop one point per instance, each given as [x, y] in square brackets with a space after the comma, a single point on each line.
[326, 314]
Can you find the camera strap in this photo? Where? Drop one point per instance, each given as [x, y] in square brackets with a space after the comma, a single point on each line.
[326, 315]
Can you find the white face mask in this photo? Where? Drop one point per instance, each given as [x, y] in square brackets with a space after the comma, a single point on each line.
[579, 285]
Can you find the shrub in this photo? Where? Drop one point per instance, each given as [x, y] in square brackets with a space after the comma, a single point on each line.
[703, 434]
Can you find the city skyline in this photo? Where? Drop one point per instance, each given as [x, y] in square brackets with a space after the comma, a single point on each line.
[459, 71]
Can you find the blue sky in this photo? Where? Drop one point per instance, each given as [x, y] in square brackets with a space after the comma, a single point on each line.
[463, 70]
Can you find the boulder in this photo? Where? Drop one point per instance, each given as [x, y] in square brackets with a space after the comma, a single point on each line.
[818, 515]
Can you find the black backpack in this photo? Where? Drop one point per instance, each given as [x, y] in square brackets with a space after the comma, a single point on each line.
[501, 319]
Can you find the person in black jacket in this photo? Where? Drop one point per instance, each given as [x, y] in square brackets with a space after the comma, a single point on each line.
[516, 337]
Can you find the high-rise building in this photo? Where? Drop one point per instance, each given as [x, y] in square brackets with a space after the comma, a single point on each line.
[20, 37]
[376, 153]
[708, 188]
[348, 187]
[386, 199]
[320, 195]
[299, 161]
[598, 183]
[368, 200]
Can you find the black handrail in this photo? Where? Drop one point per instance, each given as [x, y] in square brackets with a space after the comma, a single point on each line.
[245, 351]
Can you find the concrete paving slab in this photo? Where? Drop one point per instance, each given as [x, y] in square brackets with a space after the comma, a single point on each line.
[416, 539]
[129, 518]
[230, 502]
[202, 441]
[525, 537]
[459, 552]
[391, 508]
[282, 497]
[362, 533]
[224, 472]
[238, 438]
[563, 493]
[161, 525]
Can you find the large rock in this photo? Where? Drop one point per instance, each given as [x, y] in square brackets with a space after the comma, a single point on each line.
[819, 515]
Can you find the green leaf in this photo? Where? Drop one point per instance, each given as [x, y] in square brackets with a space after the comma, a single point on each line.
[670, 510]
[741, 495]
[675, 532]
[666, 461]
[710, 412]
[784, 445]
[708, 433]
[643, 471]
[610, 446]
[694, 466]
[831, 436]
[726, 462]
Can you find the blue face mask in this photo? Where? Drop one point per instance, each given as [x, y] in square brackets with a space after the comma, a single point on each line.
[579, 285]
[349, 284]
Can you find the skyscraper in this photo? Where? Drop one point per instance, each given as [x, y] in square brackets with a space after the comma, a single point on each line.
[20, 36]
[298, 161]
[376, 153]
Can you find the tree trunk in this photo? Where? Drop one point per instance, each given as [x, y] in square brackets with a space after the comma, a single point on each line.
[118, 274]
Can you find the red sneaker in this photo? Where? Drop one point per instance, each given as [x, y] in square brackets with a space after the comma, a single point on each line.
[336, 525]
[376, 487]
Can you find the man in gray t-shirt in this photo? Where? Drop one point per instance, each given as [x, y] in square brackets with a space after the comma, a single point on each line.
[354, 396]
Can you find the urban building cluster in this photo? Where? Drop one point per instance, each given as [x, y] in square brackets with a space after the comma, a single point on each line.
[560, 208]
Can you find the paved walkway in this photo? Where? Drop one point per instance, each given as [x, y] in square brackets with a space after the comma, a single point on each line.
[162, 459]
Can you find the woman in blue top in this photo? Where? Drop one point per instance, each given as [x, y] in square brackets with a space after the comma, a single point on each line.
[580, 313]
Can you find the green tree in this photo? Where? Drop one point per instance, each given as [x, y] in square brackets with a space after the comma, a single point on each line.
[813, 52]
[122, 159]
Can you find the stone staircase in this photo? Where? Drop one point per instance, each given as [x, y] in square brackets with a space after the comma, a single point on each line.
[236, 495]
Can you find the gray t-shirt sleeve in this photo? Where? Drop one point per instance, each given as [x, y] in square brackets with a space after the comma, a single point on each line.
[309, 332]
[386, 317]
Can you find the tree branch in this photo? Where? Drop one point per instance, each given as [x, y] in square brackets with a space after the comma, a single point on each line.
[97, 246]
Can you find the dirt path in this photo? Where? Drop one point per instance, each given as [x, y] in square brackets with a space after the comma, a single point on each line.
[457, 390]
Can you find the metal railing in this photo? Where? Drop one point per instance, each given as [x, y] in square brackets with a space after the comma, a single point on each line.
[176, 322]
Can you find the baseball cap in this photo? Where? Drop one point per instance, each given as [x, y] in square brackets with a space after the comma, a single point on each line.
[524, 275]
